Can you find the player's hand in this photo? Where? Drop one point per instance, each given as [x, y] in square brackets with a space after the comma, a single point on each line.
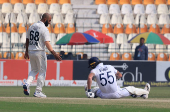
[57, 57]
[26, 56]
[89, 94]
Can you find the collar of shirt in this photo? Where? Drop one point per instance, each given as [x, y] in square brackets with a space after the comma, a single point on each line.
[100, 65]
[41, 22]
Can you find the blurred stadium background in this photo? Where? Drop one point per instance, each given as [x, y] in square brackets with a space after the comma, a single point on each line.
[119, 19]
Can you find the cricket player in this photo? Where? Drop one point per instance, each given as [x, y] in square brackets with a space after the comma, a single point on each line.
[106, 76]
[36, 39]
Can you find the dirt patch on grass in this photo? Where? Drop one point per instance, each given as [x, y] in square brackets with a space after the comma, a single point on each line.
[133, 102]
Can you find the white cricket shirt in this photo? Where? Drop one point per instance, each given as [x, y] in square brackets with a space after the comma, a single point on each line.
[37, 35]
[106, 79]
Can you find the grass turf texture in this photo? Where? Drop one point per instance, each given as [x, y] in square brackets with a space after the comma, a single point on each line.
[73, 99]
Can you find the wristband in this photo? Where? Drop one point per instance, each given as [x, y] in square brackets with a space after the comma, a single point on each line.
[89, 90]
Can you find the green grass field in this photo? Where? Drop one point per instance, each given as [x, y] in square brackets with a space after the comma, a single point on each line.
[73, 99]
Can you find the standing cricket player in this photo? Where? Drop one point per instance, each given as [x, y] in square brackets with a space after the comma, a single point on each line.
[106, 76]
[36, 39]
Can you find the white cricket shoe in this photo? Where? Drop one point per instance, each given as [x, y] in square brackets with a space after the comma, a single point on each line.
[26, 88]
[39, 94]
[94, 90]
[147, 88]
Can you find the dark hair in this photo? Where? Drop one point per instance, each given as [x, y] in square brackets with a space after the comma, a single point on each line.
[142, 38]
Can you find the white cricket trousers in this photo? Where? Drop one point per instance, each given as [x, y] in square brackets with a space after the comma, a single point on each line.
[122, 92]
[38, 60]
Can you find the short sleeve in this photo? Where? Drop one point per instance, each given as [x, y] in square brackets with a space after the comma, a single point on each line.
[46, 35]
[93, 71]
[114, 70]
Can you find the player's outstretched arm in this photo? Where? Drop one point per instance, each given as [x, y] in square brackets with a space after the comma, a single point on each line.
[118, 75]
[89, 81]
[49, 47]
[26, 52]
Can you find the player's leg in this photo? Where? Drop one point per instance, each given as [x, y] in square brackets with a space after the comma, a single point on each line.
[32, 74]
[138, 92]
[42, 64]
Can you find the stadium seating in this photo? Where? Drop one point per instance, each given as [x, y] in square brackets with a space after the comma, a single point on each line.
[22, 18]
[15, 38]
[69, 18]
[60, 35]
[126, 9]
[22, 28]
[113, 47]
[42, 8]
[142, 19]
[23, 38]
[19, 55]
[130, 28]
[126, 56]
[66, 48]
[10, 17]
[2, 28]
[135, 2]
[162, 57]
[102, 8]
[115, 56]
[8, 54]
[18, 7]
[107, 28]
[4, 38]
[13, 28]
[121, 38]
[131, 35]
[15, 1]
[104, 18]
[114, 9]
[53, 38]
[121, 2]
[4, 1]
[30, 8]
[109, 2]
[59, 28]
[64, 2]
[0, 55]
[54, 7]
[151, 57]
[1, 18]
[6, 8]
[118, 28]
[152, 19]
[58, 18]
[70, 28]
[139, 9]
[134, 47]
[162, 9]
[77, 48]
[116, 19]
[154, 28]
[65, 8]
[125, 48]
[27, 1]
[50, 28]
[168, 2]
[157, 2]
[146, 2]
[40, 1]
[128, 19]
[151, 9]
[34, 17]
[151, 48]
[97, 2]
[112, 35]
[163, 19]
[142, 29]
[49, 2]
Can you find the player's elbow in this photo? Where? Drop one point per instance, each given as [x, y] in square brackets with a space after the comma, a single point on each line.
[119, 75]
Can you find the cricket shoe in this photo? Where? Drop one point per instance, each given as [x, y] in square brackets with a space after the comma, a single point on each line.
[147, 88]
[94, 90]
[39, 94]
[26, 88]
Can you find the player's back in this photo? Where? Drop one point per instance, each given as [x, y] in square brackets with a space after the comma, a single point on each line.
[37, 34]
[106, 79]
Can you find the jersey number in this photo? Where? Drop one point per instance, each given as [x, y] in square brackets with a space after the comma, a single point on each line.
[105, 80]
[34, 37]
